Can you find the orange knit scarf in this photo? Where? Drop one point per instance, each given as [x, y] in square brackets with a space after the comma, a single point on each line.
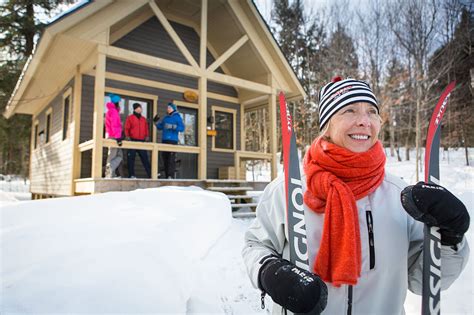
[336, 178]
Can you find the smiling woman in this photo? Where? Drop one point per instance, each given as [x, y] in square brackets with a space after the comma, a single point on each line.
[361, 242]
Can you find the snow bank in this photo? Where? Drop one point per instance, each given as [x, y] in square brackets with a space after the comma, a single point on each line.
[116, 252]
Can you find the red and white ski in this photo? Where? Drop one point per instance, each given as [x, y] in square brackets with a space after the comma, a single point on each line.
[431, 299]
[294, 193]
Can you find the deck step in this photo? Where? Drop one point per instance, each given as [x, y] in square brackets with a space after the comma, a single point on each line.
[239, 197]
[244, 215]
[243, 205]
[225, 189]
[224, 181]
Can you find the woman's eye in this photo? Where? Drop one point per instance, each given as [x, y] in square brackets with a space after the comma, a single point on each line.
[349, 110]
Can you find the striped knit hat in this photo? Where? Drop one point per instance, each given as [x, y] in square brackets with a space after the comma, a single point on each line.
[339, 93]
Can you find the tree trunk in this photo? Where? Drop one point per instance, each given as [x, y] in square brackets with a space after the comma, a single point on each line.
[391, 130]
[417, 130]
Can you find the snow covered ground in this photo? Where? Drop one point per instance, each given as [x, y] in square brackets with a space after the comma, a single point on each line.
[13, 188]
[459, 179]
[162, 250]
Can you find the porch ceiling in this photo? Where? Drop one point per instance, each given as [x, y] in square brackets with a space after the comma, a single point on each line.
[54, 70]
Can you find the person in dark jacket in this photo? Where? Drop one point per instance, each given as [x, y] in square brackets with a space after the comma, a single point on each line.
[136, 129]
[172, 125]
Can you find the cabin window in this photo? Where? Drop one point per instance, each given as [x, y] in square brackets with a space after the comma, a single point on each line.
[48, 127]
[35, 136]
[126, 108]
[225, 127]
[190, 118]
[66, 110]
[256, 122]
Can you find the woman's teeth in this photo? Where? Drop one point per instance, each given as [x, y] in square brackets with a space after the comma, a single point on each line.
[359, 137]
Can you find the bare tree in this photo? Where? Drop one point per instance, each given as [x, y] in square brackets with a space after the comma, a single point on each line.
[413, 23]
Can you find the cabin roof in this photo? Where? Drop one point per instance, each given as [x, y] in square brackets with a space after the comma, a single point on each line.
[72, 37]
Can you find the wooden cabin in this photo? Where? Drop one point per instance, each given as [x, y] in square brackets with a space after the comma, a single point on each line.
[216, 59]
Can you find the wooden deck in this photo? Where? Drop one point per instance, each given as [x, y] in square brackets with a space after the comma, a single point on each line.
[93, 186]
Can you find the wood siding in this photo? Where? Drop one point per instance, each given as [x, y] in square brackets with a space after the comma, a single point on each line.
[51, 163]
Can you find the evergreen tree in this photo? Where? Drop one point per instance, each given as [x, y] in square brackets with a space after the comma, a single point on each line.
[455, 61]
[341, 57]
[19, 28]
[302, 39]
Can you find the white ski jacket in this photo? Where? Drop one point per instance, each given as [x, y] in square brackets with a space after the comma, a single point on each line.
[391, 266]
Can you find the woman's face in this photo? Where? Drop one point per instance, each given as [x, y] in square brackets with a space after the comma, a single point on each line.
[355, 127]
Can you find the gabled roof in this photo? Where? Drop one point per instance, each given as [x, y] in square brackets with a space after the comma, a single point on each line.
[64, 44]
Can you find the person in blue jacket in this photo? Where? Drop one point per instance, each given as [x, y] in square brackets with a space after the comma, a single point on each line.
[172, 124]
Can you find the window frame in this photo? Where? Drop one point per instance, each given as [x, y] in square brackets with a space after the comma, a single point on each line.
[130, 93]
[47, 131]
[35, 131]
[232, 111]
[66, 95]
[192, 106]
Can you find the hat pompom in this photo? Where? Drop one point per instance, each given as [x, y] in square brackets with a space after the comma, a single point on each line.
[336, 79]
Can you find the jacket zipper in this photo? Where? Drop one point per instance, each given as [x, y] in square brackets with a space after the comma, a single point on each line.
[349, 300]
[370, 228]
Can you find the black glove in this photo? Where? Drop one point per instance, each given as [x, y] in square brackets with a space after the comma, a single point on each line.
[119, 142]
[156, 119]
[436, 206]
[295, 289]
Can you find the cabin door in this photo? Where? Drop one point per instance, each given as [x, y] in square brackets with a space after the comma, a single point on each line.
[187, 162]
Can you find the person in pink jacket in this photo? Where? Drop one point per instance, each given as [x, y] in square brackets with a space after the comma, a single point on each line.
[113, 129]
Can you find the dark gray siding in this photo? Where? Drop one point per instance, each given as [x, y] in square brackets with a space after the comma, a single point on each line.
[87, 108]
[219, 159]
[148, 73]
[151, 38]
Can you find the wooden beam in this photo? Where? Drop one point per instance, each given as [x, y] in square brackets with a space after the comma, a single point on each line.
[237, 82]
[154, 162]
[76, 127]
[202, 132]
[273, 133]
[150, 146]
[150, 61]
[174, 36]
[203, 36]
[242, 127]
[103, 19]
[250, 155]
[99, 92]
[229, 52]
[255, 101]
[86, 146]
[166, 86]
[267, 58]
[32, 145]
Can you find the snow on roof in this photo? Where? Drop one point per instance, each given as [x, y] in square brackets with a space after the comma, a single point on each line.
[68, 11]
